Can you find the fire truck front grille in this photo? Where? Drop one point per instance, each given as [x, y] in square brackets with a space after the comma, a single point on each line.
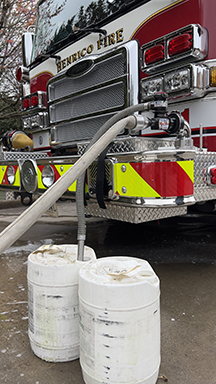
[94, 102]
[76, 130]
[99, 74]
[80, 105]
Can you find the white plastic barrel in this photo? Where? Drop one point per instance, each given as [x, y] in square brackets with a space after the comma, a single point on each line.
[119, 321]
[53, 305]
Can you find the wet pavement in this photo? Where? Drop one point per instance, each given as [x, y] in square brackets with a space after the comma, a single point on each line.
[182, 251]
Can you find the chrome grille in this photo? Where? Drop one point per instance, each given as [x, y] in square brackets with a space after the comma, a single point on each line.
[67, 86]
[76, 130]
[98, 101]
[79, 106]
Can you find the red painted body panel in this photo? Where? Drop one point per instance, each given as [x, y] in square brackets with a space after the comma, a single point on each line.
[39, 83]
[178, 16]
[168, 179]
[208, 141]
[172, 18]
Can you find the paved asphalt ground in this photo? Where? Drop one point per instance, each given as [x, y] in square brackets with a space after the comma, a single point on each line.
[188, 298]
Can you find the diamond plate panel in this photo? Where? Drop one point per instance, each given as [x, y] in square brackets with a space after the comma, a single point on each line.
[22, 155]
[134, 215]
[134, 144]
[202, 191]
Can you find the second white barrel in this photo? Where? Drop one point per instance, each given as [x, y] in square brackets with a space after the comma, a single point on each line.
[119, 321]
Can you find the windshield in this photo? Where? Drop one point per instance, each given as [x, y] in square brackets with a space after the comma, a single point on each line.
[58, 21]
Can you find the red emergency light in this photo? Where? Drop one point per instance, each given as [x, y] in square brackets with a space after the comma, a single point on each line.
[180, 44]
[26, 103]
[19, 74]
[34, 101]
[188, 43]
[154, 54]
[38, 99]
[22, 73]
[213, 175]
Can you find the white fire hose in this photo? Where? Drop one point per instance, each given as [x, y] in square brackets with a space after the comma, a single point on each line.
[16, 229]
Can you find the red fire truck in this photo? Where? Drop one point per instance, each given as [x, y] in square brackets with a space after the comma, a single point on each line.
[88, 63]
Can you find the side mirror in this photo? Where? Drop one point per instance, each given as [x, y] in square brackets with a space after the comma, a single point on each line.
[27, 45]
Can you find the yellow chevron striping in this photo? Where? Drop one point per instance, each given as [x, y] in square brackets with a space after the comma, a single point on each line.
[2, 172]
[64, 169]
[39, 177]
[188, 167]
[132, 181]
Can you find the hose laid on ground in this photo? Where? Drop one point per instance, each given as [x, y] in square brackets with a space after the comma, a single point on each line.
[16, 229]
[81, 232]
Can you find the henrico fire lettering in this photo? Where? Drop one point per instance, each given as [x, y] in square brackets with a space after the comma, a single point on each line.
[106, 41]
[113, 38]
[90, 49]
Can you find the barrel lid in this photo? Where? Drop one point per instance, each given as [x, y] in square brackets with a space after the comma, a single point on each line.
[118, 283]
[53, 254]
[57, 265]
[119, 270]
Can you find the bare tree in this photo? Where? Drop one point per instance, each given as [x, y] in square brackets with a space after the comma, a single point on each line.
[15, 17]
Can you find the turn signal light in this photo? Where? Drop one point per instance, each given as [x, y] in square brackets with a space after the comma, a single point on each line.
[212, 77]
[11, 175]
[180, 44]
[154, 54]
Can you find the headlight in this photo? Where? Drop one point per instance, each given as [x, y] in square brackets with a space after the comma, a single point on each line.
[10, 175]
[177, 81]
[187, 82]
[39, 120]
[29, 176]
[48, 176]
[151, 87]
[26, 123]
[35, 121]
